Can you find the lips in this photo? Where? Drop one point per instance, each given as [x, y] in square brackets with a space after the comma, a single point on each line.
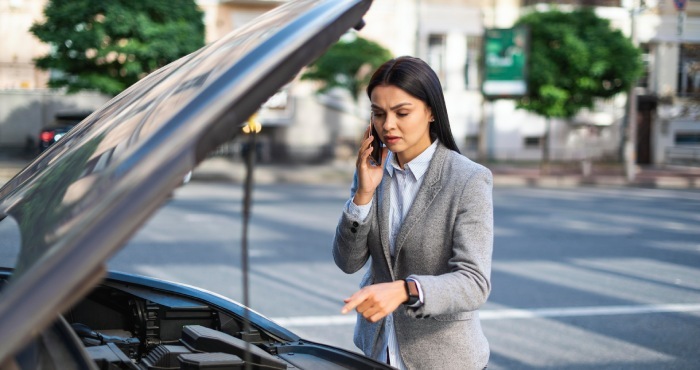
[391, 139]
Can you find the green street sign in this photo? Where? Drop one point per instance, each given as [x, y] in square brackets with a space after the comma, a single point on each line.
[505, 62]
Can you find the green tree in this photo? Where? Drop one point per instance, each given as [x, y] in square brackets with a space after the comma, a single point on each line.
[575, 58]
[109, 45]
[348, 64]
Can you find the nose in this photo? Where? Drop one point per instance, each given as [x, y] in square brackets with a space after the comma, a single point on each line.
[389, 122]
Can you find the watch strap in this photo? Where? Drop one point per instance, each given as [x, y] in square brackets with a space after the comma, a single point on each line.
[412, 292]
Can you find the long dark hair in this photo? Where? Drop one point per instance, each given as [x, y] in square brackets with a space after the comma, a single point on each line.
[415, 77]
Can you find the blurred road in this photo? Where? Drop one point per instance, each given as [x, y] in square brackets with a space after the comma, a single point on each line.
[583, 277]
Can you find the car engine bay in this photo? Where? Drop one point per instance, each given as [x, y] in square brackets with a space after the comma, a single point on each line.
[132, 327]
[135, 322]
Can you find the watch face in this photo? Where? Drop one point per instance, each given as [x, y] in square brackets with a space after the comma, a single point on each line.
[411, 288]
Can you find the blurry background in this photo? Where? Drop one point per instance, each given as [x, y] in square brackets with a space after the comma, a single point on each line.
[301, 125]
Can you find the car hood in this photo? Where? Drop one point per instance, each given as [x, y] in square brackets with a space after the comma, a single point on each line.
[82, 199]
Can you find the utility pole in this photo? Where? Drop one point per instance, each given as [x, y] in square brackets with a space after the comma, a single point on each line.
[483, 154]
[630, 146]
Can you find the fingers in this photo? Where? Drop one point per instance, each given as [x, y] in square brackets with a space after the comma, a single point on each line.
[372, 312]
[364, 152]
[375, 302]
[352, 302]
[366, 306]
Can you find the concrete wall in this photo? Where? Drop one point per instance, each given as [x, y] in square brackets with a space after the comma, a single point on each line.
[324, 126]
[24, 112]
[664, 140]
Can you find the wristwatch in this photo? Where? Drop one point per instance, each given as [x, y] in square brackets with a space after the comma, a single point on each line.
[412, 292]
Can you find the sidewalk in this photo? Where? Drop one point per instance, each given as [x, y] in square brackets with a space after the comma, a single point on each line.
[504, 175]
[339, 171]
[667, 177]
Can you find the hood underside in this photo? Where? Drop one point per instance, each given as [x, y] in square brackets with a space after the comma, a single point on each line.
[84, 197]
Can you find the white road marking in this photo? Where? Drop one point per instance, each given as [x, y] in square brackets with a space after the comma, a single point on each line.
[301, 321]
[315, 320]
[586, 311]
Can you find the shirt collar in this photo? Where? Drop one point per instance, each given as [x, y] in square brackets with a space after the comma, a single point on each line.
[418, 166]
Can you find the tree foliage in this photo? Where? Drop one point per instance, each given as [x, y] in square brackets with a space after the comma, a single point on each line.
[348, 64]
[109, 45]
[575, 57]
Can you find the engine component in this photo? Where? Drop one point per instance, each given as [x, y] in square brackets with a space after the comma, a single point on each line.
[203, 339]
[210, 361]
[164, 357]
[109, 357]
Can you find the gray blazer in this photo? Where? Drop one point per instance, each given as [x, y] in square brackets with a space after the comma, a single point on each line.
[445, 243]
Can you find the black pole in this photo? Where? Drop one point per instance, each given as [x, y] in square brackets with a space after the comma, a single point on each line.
[247, 199]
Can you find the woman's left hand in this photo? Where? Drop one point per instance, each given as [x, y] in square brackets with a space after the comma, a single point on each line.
[374, 302]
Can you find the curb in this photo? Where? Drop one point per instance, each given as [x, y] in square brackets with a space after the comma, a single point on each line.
[341, 172]
[661, 182]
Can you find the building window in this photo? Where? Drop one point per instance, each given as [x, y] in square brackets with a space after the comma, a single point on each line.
[471, 68]
[436, 55]
[687, 138]
[689, 70]
[531, 142]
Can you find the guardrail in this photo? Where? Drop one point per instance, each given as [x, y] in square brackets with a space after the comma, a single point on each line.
[683, 155]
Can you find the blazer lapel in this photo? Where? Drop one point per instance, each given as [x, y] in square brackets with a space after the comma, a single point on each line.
[429, 189]
[384, 206]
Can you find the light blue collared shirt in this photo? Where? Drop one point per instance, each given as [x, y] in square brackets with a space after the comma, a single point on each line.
[405, 184]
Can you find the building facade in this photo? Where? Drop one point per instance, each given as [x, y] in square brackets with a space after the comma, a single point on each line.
[448, 34]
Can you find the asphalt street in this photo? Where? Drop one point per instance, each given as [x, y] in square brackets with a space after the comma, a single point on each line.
[583, 278]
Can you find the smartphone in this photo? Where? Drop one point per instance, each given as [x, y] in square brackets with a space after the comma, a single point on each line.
[376, 146]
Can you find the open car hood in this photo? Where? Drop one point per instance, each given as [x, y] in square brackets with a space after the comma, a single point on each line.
[82, 199]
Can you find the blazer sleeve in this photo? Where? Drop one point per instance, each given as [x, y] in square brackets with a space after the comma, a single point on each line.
[467, 286]
[350, 251]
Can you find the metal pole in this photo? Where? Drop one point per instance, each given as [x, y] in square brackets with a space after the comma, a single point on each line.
[544, 162]
[245, 263]
[483, 135]
[630, 148]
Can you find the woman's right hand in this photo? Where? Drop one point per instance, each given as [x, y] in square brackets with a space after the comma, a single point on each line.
[368, 175]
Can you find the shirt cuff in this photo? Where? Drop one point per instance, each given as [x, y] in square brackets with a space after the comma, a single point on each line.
[420, 293]
[357, 213]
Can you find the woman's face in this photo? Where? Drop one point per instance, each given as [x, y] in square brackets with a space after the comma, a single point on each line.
[402, 121]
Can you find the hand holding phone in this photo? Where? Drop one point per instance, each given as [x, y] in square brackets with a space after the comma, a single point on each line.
[369, 166]
[376, 143]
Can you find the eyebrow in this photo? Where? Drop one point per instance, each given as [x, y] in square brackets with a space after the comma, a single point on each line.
[395, 107]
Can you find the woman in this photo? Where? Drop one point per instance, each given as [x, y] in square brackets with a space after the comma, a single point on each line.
[425, 217]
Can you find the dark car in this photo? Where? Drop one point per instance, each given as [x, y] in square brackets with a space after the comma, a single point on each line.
[81, 200]
[62, 123]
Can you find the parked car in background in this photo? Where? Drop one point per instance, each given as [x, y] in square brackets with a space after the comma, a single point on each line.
[63, 122]
[80, 201]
